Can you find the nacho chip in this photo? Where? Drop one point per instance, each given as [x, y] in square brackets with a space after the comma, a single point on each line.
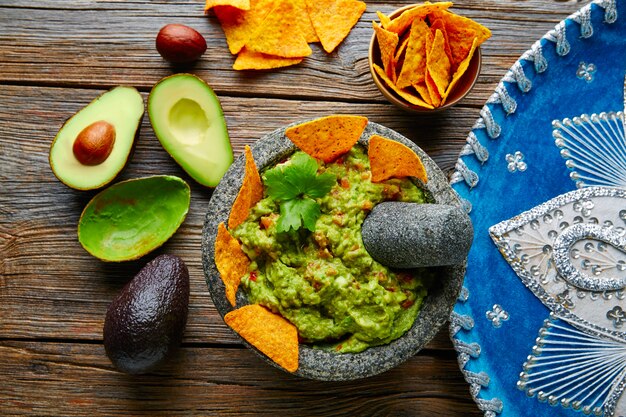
[422, 90]
[438, 24]
[384, 19]
[250, 193]
[404, 41]
[461, 33]
[391, 159]
[387, 43]
[414, 65]
[239, 4]
[270, 333]
[402, 22]
[438, 63]
[280, 34]
[433, 92]
[247, 60]
[232, 263]
[411, 98]
[463, 66]
[306, 27]
[333, 19]
[328, 137]
[240, 26]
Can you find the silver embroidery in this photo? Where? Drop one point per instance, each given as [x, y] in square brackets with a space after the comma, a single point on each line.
[586, 71]
[515, 162]
[497, 315]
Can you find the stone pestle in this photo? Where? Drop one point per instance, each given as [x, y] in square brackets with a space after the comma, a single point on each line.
[411, 235]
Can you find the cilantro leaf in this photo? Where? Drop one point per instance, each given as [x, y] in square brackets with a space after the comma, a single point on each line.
[289, 217]
[294, 213]
[295, 186]
[322, 185]
[309, 211]
[277, 188]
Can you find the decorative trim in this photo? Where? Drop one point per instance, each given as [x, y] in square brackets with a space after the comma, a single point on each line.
[594, 148]
[514, 78]
[574, 369]
[517, 77]
[468, 351]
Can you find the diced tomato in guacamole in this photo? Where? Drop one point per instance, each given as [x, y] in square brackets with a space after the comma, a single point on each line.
[325, 282]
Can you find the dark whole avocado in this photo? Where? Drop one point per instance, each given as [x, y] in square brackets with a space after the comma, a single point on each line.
[145, 322]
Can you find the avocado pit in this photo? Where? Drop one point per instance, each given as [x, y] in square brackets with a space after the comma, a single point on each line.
[94, 144]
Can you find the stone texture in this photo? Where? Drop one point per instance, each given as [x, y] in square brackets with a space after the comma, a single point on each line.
[316, 363]
[409, 235]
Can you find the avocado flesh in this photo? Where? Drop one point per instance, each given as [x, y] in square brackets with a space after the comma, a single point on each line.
[131, 218]
[123, 108]
[187, 118]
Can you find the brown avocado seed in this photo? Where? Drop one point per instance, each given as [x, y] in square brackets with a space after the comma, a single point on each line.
[180, 44]
[94, 144]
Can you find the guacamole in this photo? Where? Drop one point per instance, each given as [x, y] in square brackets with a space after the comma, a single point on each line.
[325, 282]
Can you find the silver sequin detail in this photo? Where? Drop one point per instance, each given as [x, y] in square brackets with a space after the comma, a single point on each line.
[566, 268]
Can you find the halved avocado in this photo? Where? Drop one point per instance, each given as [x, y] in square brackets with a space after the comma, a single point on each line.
[131, 218]
[120, 110]
[188, 120]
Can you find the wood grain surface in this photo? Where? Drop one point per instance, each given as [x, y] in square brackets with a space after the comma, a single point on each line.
[55, 57]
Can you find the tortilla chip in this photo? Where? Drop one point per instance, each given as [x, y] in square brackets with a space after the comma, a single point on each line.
[387, 43]
[247, 60]
[461, 33]
[438, 63]
[232, 263]
[460, 71]
[423, 92]
[240, 26]
[250, 193]
[402, 22]
[384, 19]
[270, 333]
[306, 27]
[438, 24]
[328, 137]
[433, 92]
[404, 41]
[414, 65]
[239, 4]
[280, 34]
[333, 19]
[411, 98]
[391, 159]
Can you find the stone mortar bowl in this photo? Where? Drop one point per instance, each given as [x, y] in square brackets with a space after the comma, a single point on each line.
[316, 363]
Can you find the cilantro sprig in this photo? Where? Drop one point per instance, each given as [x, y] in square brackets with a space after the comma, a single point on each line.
[295, 186]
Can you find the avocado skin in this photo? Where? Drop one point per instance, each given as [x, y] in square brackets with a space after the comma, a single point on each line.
[145, 323]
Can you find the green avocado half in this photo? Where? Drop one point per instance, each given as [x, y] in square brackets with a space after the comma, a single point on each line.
[131, 218]
[123, 109]
[188, 120]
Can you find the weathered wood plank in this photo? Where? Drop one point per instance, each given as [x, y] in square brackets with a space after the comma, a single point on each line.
[108, 43]
[53, 295]
[78, 379]
[51, 288]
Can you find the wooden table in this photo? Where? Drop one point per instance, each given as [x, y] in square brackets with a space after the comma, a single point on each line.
[55, 57]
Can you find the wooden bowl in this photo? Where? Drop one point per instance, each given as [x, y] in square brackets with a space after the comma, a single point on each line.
[461, 89]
